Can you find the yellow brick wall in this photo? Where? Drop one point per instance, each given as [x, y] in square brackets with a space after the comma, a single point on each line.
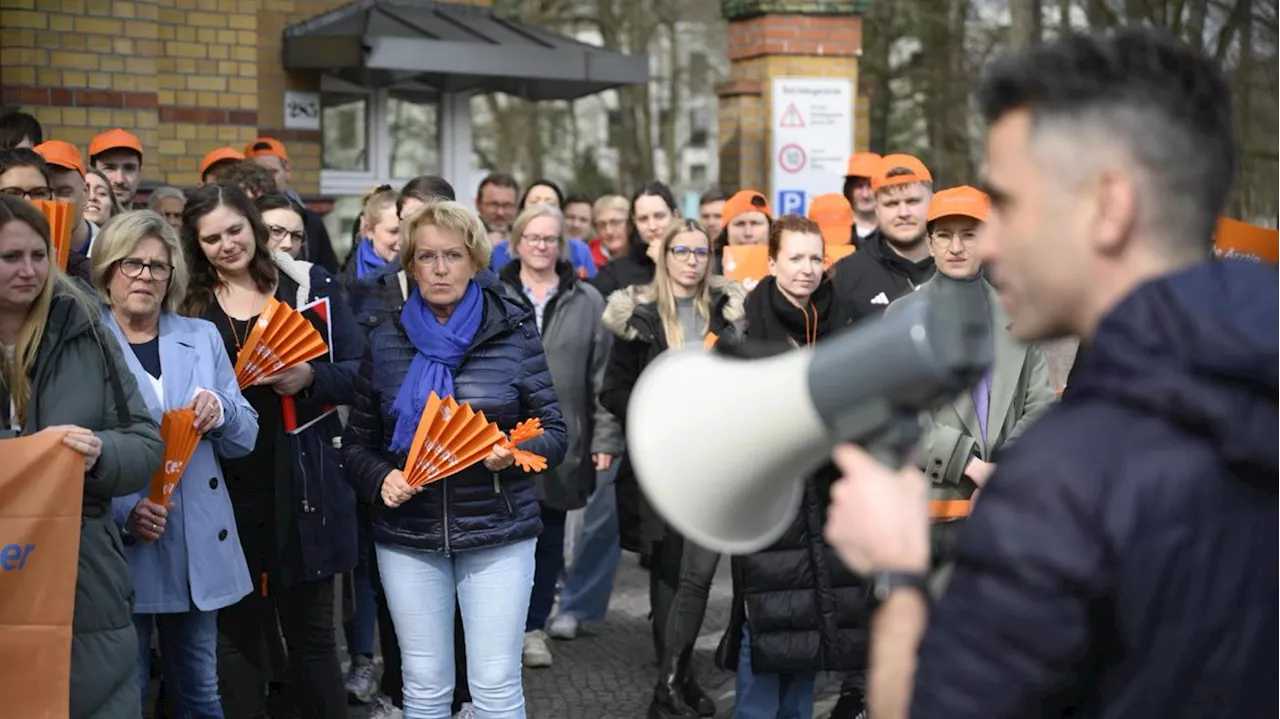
[186, 76]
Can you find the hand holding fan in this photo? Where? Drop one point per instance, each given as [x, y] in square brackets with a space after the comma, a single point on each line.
[60, 215]
[178, 430]
[450, 438]
[280, 339]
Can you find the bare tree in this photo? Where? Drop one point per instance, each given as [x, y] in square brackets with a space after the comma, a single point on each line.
[1024, 25]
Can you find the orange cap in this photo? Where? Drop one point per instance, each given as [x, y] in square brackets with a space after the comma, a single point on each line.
[61, 154]
[744, 201]
[834, 216]
[222, 154]
[116, 139]
[863, 164]
[963, 200]
[917, 171]
[1242, 240]
[266, 146]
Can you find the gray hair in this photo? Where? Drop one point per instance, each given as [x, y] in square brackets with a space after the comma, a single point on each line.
[118, 239]
[164, 193]
[530, 214]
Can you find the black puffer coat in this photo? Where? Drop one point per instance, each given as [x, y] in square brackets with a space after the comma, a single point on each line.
[804, 607]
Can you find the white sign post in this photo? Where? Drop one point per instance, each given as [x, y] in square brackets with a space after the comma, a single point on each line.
[812, 126]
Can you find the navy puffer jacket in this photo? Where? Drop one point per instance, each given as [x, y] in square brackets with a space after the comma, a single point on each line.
[503, 374]
[1122, 560]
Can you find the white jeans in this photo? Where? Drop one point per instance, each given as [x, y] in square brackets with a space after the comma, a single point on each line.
[492, 587]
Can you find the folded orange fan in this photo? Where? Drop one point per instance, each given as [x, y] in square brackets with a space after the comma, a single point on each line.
[450, 438]
[710, 340]
[281, 338]
[178, 430]
[949, 510]
[60, 215]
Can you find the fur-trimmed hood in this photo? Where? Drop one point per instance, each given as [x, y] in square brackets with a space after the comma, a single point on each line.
[620, 310]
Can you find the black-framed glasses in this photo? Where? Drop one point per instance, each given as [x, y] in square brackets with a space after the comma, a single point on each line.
[682, 253]
[279, 233]
[39, 193]
[160, 271]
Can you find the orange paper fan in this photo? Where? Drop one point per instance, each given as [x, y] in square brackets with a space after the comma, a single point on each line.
[60, 215]
[280, 339]
[178, 429]
[710, 340]
[450, 438]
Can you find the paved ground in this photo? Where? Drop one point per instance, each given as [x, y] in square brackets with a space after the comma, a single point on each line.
[608, 672]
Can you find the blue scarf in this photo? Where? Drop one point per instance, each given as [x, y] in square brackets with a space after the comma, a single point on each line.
[367, 260]
[440, 349]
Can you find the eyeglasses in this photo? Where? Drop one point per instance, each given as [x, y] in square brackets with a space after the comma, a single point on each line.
[131, 268]
[39, 193]
[278, 233]
[545, 240]
[680, 252]
[452, 258]
[945, 238]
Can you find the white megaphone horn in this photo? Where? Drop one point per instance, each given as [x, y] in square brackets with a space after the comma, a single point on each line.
[720, 445]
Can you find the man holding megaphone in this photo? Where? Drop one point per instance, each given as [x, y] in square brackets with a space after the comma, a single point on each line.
[1122, 560]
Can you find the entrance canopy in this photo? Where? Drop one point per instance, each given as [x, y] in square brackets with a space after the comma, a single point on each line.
[455, 48]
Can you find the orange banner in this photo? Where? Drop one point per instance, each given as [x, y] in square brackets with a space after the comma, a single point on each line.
[748, 264]
[1247, 242]
[41, 487]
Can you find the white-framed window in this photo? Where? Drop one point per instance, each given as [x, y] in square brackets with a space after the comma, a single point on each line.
[374, 137]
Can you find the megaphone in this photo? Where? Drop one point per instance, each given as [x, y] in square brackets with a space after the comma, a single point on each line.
[720, 446]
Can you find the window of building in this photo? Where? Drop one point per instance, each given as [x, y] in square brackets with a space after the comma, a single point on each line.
[697, 175]
[374, 137]
[699, 73]
[699, 121]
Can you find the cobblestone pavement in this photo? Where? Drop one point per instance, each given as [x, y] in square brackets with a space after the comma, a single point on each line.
[608, 671]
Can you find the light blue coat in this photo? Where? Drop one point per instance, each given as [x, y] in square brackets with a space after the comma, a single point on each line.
[198, 560]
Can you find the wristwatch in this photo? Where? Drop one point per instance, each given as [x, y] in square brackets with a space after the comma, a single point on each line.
[884, 582]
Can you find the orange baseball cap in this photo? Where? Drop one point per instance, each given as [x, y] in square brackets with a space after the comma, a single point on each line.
[963, 200]
[222, 154]
[266, 146]
[116, 139]
[744, 201]
[862, 164]
[834, 216]
[61, 154]
[917, 172]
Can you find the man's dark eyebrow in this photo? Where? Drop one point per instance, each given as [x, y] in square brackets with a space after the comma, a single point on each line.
[997, 196]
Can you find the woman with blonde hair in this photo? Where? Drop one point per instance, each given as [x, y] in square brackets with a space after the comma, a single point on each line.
[683, 306]
[60, 371]
[185, 555]
[377, 236]
[469, 537]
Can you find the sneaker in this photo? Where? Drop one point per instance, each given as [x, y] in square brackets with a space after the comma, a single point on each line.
[563, 626]
[382, 708]
[467, 712]
[536, 652]
[850, 706]
[360, 680]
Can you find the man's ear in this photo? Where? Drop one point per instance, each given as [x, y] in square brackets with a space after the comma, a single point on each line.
[1115, 202]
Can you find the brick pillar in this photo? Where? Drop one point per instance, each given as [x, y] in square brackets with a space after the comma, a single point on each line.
[780, 38]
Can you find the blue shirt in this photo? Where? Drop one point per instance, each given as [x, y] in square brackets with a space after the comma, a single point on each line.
[579, 256]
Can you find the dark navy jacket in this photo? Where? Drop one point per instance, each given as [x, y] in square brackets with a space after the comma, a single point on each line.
[1122, 561]
[503, 374]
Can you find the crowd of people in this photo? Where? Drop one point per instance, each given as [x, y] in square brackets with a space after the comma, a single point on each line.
[537, 304]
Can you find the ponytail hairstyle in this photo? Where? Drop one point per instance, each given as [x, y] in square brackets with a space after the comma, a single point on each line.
[373, 203]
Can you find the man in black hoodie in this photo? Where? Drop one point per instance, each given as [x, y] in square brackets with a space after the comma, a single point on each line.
[893, 260]
[1121, 561]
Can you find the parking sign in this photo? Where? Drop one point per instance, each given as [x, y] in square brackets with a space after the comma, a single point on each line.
[790, 202]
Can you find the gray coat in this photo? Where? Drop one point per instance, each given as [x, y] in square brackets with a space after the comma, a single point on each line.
[577, 348]
[78, 375]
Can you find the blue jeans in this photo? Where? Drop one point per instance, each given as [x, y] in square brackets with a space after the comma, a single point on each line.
[548, 563]
[589, 581]
[491, 587]
[770, 696]
[189, 658]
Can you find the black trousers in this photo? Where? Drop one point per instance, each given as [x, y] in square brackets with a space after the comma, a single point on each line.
[248, 629]
[689, 603]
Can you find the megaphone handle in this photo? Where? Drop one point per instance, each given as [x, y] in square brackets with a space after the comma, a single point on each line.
[895, 445]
